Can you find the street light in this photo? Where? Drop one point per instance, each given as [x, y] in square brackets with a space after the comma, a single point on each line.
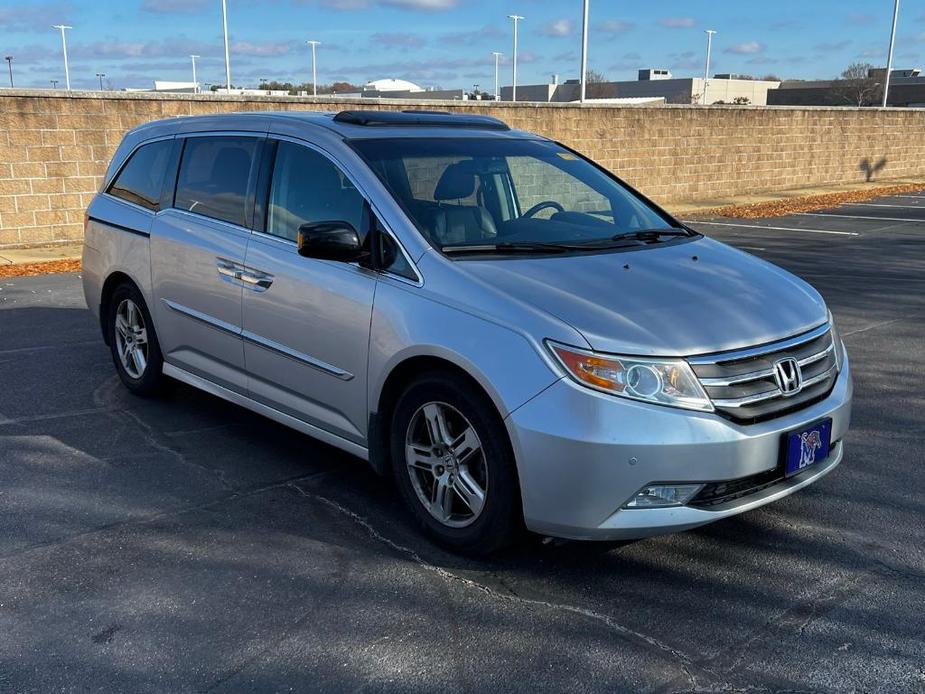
[9, 60]
[195, 82]
[314, 73]
[100, 76]
[889, 62]
[516, 18]
[584, 52]
[706, 70]
[225, 31]
[54, 84]
[497, 58]
[67, 74]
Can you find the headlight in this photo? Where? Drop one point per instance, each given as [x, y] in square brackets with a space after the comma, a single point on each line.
[662, 381]
[839, 345]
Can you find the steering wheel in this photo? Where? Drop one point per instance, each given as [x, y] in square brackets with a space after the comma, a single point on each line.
[542, 206]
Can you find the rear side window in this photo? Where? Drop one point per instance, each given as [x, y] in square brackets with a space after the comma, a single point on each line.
[141, 179]
[214, 177]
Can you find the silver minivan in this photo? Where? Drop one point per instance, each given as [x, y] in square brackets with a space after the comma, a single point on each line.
[517, 337]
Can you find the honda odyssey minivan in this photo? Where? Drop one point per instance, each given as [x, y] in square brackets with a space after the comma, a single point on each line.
[513, 334]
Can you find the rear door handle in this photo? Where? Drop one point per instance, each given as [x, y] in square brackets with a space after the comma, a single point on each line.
[258, 281]
[228, 269]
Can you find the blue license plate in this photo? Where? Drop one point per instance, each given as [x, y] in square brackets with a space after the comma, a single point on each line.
[808, 446]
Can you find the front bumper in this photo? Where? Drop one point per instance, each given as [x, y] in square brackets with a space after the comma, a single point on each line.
[582, 455]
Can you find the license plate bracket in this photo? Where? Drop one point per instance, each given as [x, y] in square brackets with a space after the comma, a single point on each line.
[807, 446]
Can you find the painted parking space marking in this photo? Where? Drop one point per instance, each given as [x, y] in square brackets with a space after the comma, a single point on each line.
[901, 207]
[762, 226]
[851, 216]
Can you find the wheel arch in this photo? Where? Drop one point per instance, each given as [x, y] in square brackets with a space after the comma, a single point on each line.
[402, 374]
[113, 281]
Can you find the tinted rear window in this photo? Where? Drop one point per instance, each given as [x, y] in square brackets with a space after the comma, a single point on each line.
[214, 177]
[141, 179]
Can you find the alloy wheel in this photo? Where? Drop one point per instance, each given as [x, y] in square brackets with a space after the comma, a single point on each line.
[131, 337]
[446, 463]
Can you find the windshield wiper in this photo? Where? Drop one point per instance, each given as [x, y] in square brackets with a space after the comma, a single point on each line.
[511, 247]
[649, 234]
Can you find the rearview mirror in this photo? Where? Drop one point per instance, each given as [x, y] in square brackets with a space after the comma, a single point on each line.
[332, 240]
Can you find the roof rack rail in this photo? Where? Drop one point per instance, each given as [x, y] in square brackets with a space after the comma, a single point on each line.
[434, 119]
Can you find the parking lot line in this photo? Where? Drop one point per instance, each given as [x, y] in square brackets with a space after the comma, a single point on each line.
[851, 216]
[901, 207]
[762, 226]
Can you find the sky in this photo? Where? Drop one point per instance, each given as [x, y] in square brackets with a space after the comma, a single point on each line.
[445, 43]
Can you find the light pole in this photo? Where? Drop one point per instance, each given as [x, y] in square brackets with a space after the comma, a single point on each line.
[225, 31]
[314, 72]
[195, 82]
[9, 60]
[54, 84]
[497, 58]
[706, 69]
[100, 76]
[584, 52]
[67, 74]
[516, 18]
[889, 62]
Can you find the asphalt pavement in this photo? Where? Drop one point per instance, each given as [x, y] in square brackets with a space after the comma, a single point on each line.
[186, 545]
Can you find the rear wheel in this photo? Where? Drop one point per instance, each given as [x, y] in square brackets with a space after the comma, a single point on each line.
[133, 342]
[453, 464]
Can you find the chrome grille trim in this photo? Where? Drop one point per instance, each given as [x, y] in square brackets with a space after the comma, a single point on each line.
[771, 394]
[828, 373]
[813, 358]
[751, 352]
[742, 384]
[748, 400]
[735, 380]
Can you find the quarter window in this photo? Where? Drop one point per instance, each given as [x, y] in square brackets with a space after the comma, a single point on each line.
[214, 177]
[307, 187]
[141, 179]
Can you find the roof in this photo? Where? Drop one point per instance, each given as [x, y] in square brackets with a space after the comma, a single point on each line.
[348, 124]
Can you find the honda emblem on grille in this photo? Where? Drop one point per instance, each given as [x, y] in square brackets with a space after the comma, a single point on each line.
[789, 376]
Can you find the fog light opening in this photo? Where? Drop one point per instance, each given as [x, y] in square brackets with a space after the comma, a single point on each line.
[663, 495]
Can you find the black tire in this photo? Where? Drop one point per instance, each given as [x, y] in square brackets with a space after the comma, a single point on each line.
[500, 520]
[151, 380]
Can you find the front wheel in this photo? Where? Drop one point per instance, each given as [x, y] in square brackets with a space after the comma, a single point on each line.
[453, 464]
[133, 342]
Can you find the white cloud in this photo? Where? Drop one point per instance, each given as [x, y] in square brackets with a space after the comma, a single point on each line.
[613, 26]
[746, 48]
[558, 28]
[678, 22]
[173, 6]
[427, 5]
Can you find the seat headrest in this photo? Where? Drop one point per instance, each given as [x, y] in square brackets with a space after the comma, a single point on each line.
[457, 181]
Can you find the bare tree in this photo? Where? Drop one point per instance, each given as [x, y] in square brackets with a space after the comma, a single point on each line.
[857, 87]
[596, 82]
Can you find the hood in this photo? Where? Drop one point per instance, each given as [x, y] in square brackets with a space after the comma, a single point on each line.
[690, 298]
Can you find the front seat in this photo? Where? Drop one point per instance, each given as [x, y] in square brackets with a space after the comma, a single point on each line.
[460, 223]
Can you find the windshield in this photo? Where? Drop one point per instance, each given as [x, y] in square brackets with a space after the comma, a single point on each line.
[473, 193]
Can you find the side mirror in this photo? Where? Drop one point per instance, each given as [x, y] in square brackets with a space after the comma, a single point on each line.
[332, 240]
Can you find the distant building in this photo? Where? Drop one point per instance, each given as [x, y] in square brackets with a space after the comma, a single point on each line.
[403, 89]
[168, 87]
[907, 89]
[653, 83]
[392, 85]
[651, 74]
[251, 92]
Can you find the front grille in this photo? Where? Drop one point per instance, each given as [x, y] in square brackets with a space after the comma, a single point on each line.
[742, 384]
